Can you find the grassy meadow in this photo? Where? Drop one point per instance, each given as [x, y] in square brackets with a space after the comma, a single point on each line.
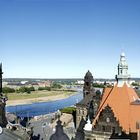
[37, 94]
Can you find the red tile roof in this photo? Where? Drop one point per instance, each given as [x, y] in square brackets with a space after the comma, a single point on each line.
[120, 100]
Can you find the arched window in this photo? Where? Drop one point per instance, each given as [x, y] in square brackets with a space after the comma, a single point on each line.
[121, 71]
[113, 129]
[87, 83]
[103, 128]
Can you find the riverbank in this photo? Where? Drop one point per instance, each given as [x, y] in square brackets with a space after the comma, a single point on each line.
[46, 107]
[43, 96]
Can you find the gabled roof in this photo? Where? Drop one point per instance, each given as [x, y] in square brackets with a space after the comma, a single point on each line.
[120, 100]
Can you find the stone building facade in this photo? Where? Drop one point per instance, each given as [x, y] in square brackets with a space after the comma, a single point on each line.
[9, 131]
[3, 120]
[89, 104]
[115, 117]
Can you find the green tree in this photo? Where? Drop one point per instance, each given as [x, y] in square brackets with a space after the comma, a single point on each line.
[45, 88]
[8, 90]
[135, 84]
[68, 110]
[26, 89]
[31, 88]
[22, 89]
[98, 85]
[56, 85]
[41, 88]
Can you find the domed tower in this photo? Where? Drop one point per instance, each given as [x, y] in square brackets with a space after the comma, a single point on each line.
[59, 133]
[123, 76]
[86, 105]
[88, 84]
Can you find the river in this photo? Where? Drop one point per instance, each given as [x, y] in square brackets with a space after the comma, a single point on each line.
[41, 108]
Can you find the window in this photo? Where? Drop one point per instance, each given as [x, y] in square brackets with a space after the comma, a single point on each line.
[113, 129]
[83, 112]
[103, 128]
[121, 71]
[87, 83]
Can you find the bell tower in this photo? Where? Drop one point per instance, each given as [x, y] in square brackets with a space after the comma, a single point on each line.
[123, 76]
[88, 84]
[3, 120]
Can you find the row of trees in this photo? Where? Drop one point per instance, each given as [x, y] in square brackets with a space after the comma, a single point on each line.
[25, 89]
[45, 88]
[98, 85]
[135, 84]
[20, 90]
[8, 90]
[30, 89]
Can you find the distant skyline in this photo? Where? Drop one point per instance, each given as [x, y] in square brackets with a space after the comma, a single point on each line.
[65, 38]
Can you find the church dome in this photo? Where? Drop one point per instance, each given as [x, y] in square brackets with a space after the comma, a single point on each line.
[59, 134]
[59, 137]
[88, 74]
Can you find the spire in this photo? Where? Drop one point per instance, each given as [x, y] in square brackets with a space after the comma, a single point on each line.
[88, 77]
[88, 126]
[59, 133]
[123, 75]
[88, 84]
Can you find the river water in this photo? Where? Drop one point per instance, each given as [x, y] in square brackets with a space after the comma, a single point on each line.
[35, 109]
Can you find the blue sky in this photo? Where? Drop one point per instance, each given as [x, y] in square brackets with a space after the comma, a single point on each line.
[65, 38]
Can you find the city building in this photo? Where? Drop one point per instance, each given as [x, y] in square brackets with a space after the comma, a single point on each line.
[46, 83]
[90, 102]
[118, 115]
[9, 131]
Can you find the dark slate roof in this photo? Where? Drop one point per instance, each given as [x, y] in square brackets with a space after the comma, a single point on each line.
[88, 74]
[85, 101]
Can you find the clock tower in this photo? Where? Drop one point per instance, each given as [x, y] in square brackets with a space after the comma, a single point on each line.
[123, 76]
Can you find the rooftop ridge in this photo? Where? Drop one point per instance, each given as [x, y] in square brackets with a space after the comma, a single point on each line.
[99, 110]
